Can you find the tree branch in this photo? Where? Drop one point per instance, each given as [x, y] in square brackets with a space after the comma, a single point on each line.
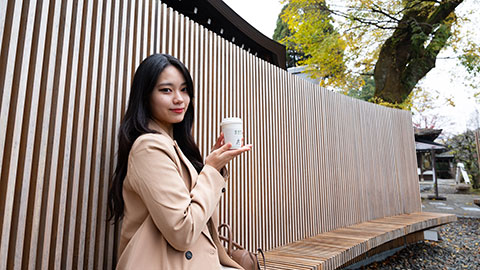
[378, 9]
[377, 23]
[442, 11]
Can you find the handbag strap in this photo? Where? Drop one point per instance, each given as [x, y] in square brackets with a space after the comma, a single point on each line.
[263, 257]
[235, 244]
[231, 244]
[228, 238]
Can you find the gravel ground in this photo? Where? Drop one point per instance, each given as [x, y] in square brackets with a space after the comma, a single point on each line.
[459, 248]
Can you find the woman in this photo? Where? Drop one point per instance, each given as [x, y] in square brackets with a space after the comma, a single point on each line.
[162, 191]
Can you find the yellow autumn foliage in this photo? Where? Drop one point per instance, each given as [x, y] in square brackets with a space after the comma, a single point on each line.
[342, 39]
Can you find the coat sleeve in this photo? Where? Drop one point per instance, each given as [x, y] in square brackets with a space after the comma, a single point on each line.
[179, 214]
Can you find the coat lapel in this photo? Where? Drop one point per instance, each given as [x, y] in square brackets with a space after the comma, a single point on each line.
[193, 173]
[191, 170]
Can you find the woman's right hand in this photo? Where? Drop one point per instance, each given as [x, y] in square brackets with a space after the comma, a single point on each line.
[219, 157]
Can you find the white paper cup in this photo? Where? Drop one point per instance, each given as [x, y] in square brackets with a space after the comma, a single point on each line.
[232, 129]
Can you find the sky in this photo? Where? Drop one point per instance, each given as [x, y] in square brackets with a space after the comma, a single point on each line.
[444, 81]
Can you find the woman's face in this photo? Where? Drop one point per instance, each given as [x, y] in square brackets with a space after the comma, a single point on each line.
[169, 99]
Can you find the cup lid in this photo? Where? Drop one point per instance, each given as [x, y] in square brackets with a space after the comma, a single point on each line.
[231, 120]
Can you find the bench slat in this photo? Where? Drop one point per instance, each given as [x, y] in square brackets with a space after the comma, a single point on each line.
[333, 249]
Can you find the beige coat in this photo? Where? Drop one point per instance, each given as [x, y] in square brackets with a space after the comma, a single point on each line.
[170, 210]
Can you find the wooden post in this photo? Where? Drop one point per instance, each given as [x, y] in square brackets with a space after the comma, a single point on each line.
[435, 180]
[422, 157]
[477, 146]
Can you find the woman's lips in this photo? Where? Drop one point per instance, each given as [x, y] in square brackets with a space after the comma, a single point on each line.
[177, 110]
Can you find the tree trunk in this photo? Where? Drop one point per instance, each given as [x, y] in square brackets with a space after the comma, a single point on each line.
[410, 53]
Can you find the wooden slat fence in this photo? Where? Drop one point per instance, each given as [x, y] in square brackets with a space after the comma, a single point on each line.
[65, 72]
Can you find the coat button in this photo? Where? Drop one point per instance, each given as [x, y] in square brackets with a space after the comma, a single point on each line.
[188, 255]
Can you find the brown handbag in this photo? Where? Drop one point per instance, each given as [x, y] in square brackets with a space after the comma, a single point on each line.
[246, 259]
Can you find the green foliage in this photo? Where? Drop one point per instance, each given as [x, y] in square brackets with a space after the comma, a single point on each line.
[364, 92]
[281, 30]
[282, 35]
[463, 148]
[405, 105]
[471, 60]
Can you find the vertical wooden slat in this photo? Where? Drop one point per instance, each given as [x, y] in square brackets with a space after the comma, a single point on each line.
[163, 29]
[24, 161]
[255, 167]
[92, 133]
[49, 155]
[32, 216]
[103, 256]
[111, 237]
[8, 54]
[101, 116]
[10, 37]
[249, 203]
[63, 133]
[64, 233]
[75, 232]
[210, 134]
[220, 110]
[3, 13]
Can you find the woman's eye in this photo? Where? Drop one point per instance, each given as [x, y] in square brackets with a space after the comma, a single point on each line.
[165, 90]
[184, 89]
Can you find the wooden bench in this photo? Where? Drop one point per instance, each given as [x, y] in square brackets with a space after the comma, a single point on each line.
[333, 249]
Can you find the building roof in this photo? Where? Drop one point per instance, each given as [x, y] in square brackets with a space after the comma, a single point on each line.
[428, 134]
[446, 155]
[424, 138]
[218, 17]
[426, 146]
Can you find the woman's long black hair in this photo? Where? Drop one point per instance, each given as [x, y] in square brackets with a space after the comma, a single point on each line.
[135, 123]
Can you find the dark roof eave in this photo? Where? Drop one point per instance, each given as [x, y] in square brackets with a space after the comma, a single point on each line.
[427, 133]
[250, 31]
[219, 18]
